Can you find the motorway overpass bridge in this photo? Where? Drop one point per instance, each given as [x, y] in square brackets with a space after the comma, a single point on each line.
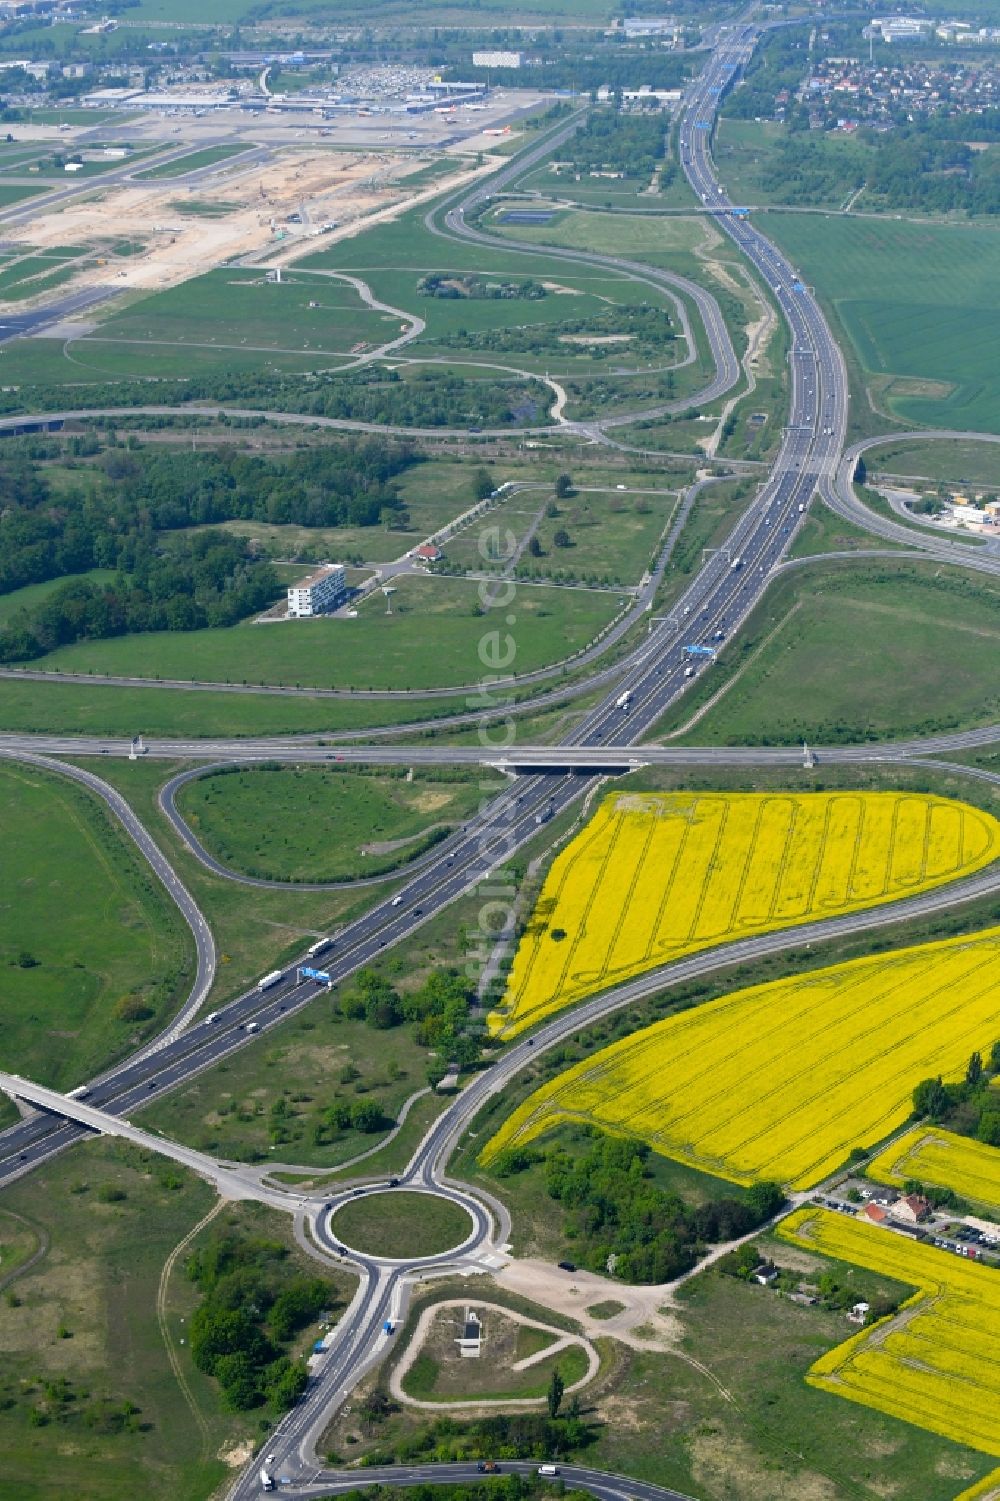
[508, 758]
[226, 1178]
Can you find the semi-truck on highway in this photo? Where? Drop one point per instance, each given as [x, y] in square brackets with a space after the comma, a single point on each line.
[317, 948]
[266, 1479]
[624, 699]
[271, 979]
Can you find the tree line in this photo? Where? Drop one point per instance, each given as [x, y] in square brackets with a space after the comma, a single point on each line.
[430, 398]
[632, 144]
[438, 1010]
[970, 1106]
[500, 1436]
[643, 331]
[133, 495]
[252, 1307]
[616, 1217]
[209, 579]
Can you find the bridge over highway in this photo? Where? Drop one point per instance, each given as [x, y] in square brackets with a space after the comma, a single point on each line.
[226, 1179]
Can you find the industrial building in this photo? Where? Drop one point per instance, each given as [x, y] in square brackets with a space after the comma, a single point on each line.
[643, 96]
[498, 59]
[318, 593]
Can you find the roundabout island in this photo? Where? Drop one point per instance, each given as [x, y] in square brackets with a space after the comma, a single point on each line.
[401, 1225]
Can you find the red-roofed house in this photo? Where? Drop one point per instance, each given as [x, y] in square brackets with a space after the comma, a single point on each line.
[875, 1213]
[428, 552]
[911, 1210]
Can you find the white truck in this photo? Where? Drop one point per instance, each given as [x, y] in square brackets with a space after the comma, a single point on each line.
[624, 699]
[266, 1479]
[271, 979]
[736, 563]
[318, 947]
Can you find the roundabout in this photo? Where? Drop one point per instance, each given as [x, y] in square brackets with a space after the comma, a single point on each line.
[402, 1224]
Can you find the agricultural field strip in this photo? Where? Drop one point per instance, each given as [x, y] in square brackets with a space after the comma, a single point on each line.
[938, 1157]
[657, 876]
[935, 1364]
[782, 1080]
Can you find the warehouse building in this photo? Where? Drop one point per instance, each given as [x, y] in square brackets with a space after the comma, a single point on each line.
[497, 59]
[319, 593]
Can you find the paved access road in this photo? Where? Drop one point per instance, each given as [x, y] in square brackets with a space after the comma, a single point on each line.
[980, 554]
[600, 1483]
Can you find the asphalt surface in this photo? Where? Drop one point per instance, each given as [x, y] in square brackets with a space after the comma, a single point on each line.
[981, 555]
[456, 221]
[72, 304]
[601, 1484]
[657, 673]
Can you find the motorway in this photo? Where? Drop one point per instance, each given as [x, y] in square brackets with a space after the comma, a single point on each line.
[717, 601]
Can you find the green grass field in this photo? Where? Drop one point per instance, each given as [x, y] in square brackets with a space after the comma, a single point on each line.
[193, 161]
[112, 1216]
[612, 536]
[229, 307]
[440, 1372]
[98, 1282]
[949, 462]
[920, 305]
[824, 532]
[94, 954]
[401, 1224]
[12, 192]
[374, 651]
[29, 275]
[393, 257]
[643, 237]
[278, 823]
[745, 1425]
[80, 708]
[742, 152]
[268, 1101]
[33, 594]
[601, 192]
[255, 928]
[223, 321]
[203, 208]
[857, 651]
[51, 362]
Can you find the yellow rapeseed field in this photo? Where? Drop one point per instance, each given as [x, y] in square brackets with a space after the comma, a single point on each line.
[943, 1160]
[656, 876]
[782, 1080]
[935, 1362]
